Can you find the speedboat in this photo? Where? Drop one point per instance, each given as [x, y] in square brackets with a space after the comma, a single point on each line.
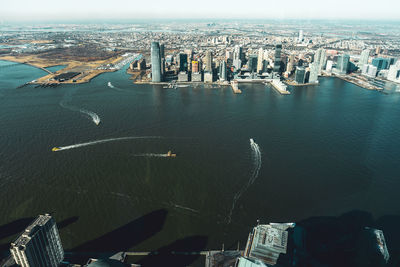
[170, 154]
[55, 149]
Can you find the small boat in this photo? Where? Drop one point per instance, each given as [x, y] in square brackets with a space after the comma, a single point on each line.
[55, 149]
[170, 154]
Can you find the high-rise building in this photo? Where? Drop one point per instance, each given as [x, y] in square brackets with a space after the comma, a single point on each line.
[320, 59]
[155, 62]
[252, 63]
[162, 47]
[183, 62]
[394, 72]
[314, 67]
[223, 71]
[300, 75]
[195, 66]
[290, 64]
[329, 65]
[237, 63]
[238, 53]
[370, 70]
[381, 63]
[39, 244]
[342, 65]
[278, 60]
[364, 58]
[209, 61]
[301, 38]
[260, 60]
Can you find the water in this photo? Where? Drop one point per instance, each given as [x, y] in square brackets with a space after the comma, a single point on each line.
[323, 150]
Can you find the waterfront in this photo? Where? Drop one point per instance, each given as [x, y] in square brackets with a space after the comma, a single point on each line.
[326, 150]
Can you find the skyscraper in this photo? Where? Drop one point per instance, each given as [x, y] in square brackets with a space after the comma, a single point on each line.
[39, 244]
[260, 60]
[314, 67]
[252, 63]
[381, 63]
[394, 72]
[301, 38]
[223, 71]
[155, 62]
[208, 61]
[162, 55]
[364, 58]
[342, 64]
[183, 62]
[300, 75]
[277, 63]
[320, 59]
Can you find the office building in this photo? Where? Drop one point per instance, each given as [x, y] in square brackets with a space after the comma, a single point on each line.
[301, 38]
[141, 64]
[208, 61]
[39, 244]
[394, 72]
[329, 65]
[372, 71]
[223, 76]
[252, 63]
[364, 58]
[195, 66]
[237, 64]
[314, 67]
[320, 59]
[162, 47]
[342, 65]
[260, 61]
[300, 75]
[183, 62]
[381, 63]
[155, 62]
[278, 60]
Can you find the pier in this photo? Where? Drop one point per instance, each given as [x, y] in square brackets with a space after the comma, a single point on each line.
[235, 87]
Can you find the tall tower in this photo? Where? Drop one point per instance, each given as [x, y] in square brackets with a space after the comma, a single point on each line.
[319, 59]
[342, 64]
[155, 62]
[314, 72]
[39, 244]
[301, 37]
[223, 71]
[364, 58]
[278, 60]
[208, 61]
[260, 60]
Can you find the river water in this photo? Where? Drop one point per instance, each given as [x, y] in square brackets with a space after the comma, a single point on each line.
[323, 150]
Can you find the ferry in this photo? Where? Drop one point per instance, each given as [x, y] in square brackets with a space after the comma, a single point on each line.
[55, 149]
[170, 154]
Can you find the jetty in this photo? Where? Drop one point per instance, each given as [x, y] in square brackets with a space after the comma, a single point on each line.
[235, 87]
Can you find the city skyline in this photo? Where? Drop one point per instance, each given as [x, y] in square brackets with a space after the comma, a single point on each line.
[311, 9]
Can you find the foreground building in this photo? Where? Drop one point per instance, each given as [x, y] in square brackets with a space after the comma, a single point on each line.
[39, 244]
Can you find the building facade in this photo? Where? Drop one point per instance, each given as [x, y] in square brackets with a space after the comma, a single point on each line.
[39, 244]
[155, 62]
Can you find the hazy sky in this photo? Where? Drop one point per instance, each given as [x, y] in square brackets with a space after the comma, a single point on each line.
[22, 10]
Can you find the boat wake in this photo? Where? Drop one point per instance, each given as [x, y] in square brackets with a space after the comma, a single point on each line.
[256, 155]
[151, 155]
[91, 143]
[109, 84]
[90, 114]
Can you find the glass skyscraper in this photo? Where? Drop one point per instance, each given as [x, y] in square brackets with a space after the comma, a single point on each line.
[278, 60]
[155, 62]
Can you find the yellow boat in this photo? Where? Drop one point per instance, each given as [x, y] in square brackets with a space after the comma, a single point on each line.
[170, 154]
[55, 149]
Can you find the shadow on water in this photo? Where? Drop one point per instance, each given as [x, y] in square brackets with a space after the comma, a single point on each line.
[176, 253]
[343, 240]
[120, 239]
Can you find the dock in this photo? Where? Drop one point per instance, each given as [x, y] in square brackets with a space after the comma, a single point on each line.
[235, 87]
